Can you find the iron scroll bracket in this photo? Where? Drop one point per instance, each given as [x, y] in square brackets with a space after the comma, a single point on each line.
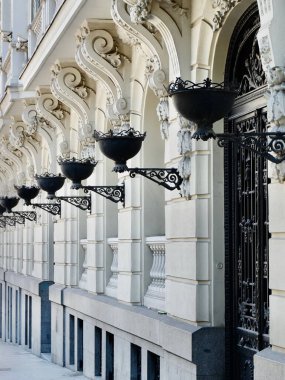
[270, 145]
[52, 208]
[11, 220]
[2, 223]
[30, 215]
[166, 177]
[113, 193]
[83, 203]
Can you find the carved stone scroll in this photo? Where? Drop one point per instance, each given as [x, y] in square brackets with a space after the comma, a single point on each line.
[68, 86]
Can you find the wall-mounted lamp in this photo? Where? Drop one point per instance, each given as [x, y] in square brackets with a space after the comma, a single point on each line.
[77, 170]
[122, 145]
[207, 102]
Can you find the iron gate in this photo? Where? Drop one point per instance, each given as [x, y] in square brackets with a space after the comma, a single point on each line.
[246, 207]
[247, 250]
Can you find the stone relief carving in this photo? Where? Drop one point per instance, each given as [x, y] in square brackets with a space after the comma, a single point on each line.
[265, 51]
[157, 82]
[141, 9]
[185, 148]
[222, 8]
[16, 135]
[276, 114]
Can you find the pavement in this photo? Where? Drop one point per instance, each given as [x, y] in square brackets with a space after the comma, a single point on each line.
[16, 363]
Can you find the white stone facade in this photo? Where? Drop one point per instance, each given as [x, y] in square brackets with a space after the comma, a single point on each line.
[149, 273]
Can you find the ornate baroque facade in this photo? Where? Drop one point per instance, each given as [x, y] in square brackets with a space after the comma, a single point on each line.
[141, 289]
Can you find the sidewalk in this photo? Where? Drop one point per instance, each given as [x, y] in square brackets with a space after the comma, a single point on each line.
[18, 364]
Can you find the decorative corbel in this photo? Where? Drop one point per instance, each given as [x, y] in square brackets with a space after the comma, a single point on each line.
[51, 109]
[98, 55]
[21, 44]
[68, 86]
[6, 36]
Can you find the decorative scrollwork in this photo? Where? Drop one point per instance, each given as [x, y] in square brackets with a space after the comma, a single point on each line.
[113, 193]
[47, 175]
[84, 203]
[270, 145]
[30, 215]
[52, 208]
[2, 223]
[77, 160]
[168, 178]
[11, 220]
[118, 133]
[8, 220]
[180, 84]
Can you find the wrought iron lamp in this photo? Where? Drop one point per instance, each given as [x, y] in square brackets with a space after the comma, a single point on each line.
[77, 170]
[207, 102]
[51, 183]
[122, 145]
[7, 203]
[27, 193]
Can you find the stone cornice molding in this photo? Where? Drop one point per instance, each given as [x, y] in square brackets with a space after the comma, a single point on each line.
[98, 55]
[222, 8]
[68, 86]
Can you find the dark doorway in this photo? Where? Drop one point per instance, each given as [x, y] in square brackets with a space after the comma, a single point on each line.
[246, 208]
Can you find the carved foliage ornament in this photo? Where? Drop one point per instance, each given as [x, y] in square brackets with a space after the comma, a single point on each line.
[222, 8]
[140, 9]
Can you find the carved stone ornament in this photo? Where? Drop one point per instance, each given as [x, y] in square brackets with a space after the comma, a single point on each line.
[222, 8]
[265, 51]
[140, 11]
[17, 135]
[6, 36]
[185, 148]
[276, 101]
[68, 86]
[276, 114]
[162, 111]
[103, 44]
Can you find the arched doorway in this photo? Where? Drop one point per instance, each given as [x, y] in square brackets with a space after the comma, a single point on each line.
[246, 207]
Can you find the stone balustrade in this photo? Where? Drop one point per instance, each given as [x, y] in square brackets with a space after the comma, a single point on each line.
[83, 280]
[111, 288]
[155, 295]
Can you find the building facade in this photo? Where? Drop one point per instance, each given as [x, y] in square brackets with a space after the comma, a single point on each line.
[182, 284]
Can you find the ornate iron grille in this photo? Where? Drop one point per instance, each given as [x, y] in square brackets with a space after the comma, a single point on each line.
[246, 208]
[249, 250]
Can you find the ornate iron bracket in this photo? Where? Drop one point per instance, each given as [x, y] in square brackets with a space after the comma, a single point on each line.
[2, 223]
[113, 193]
[30, 215]
[166, 177]
[52, 208]
[84, 203]
[11, 220]
[270, 145]
[8, 220]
